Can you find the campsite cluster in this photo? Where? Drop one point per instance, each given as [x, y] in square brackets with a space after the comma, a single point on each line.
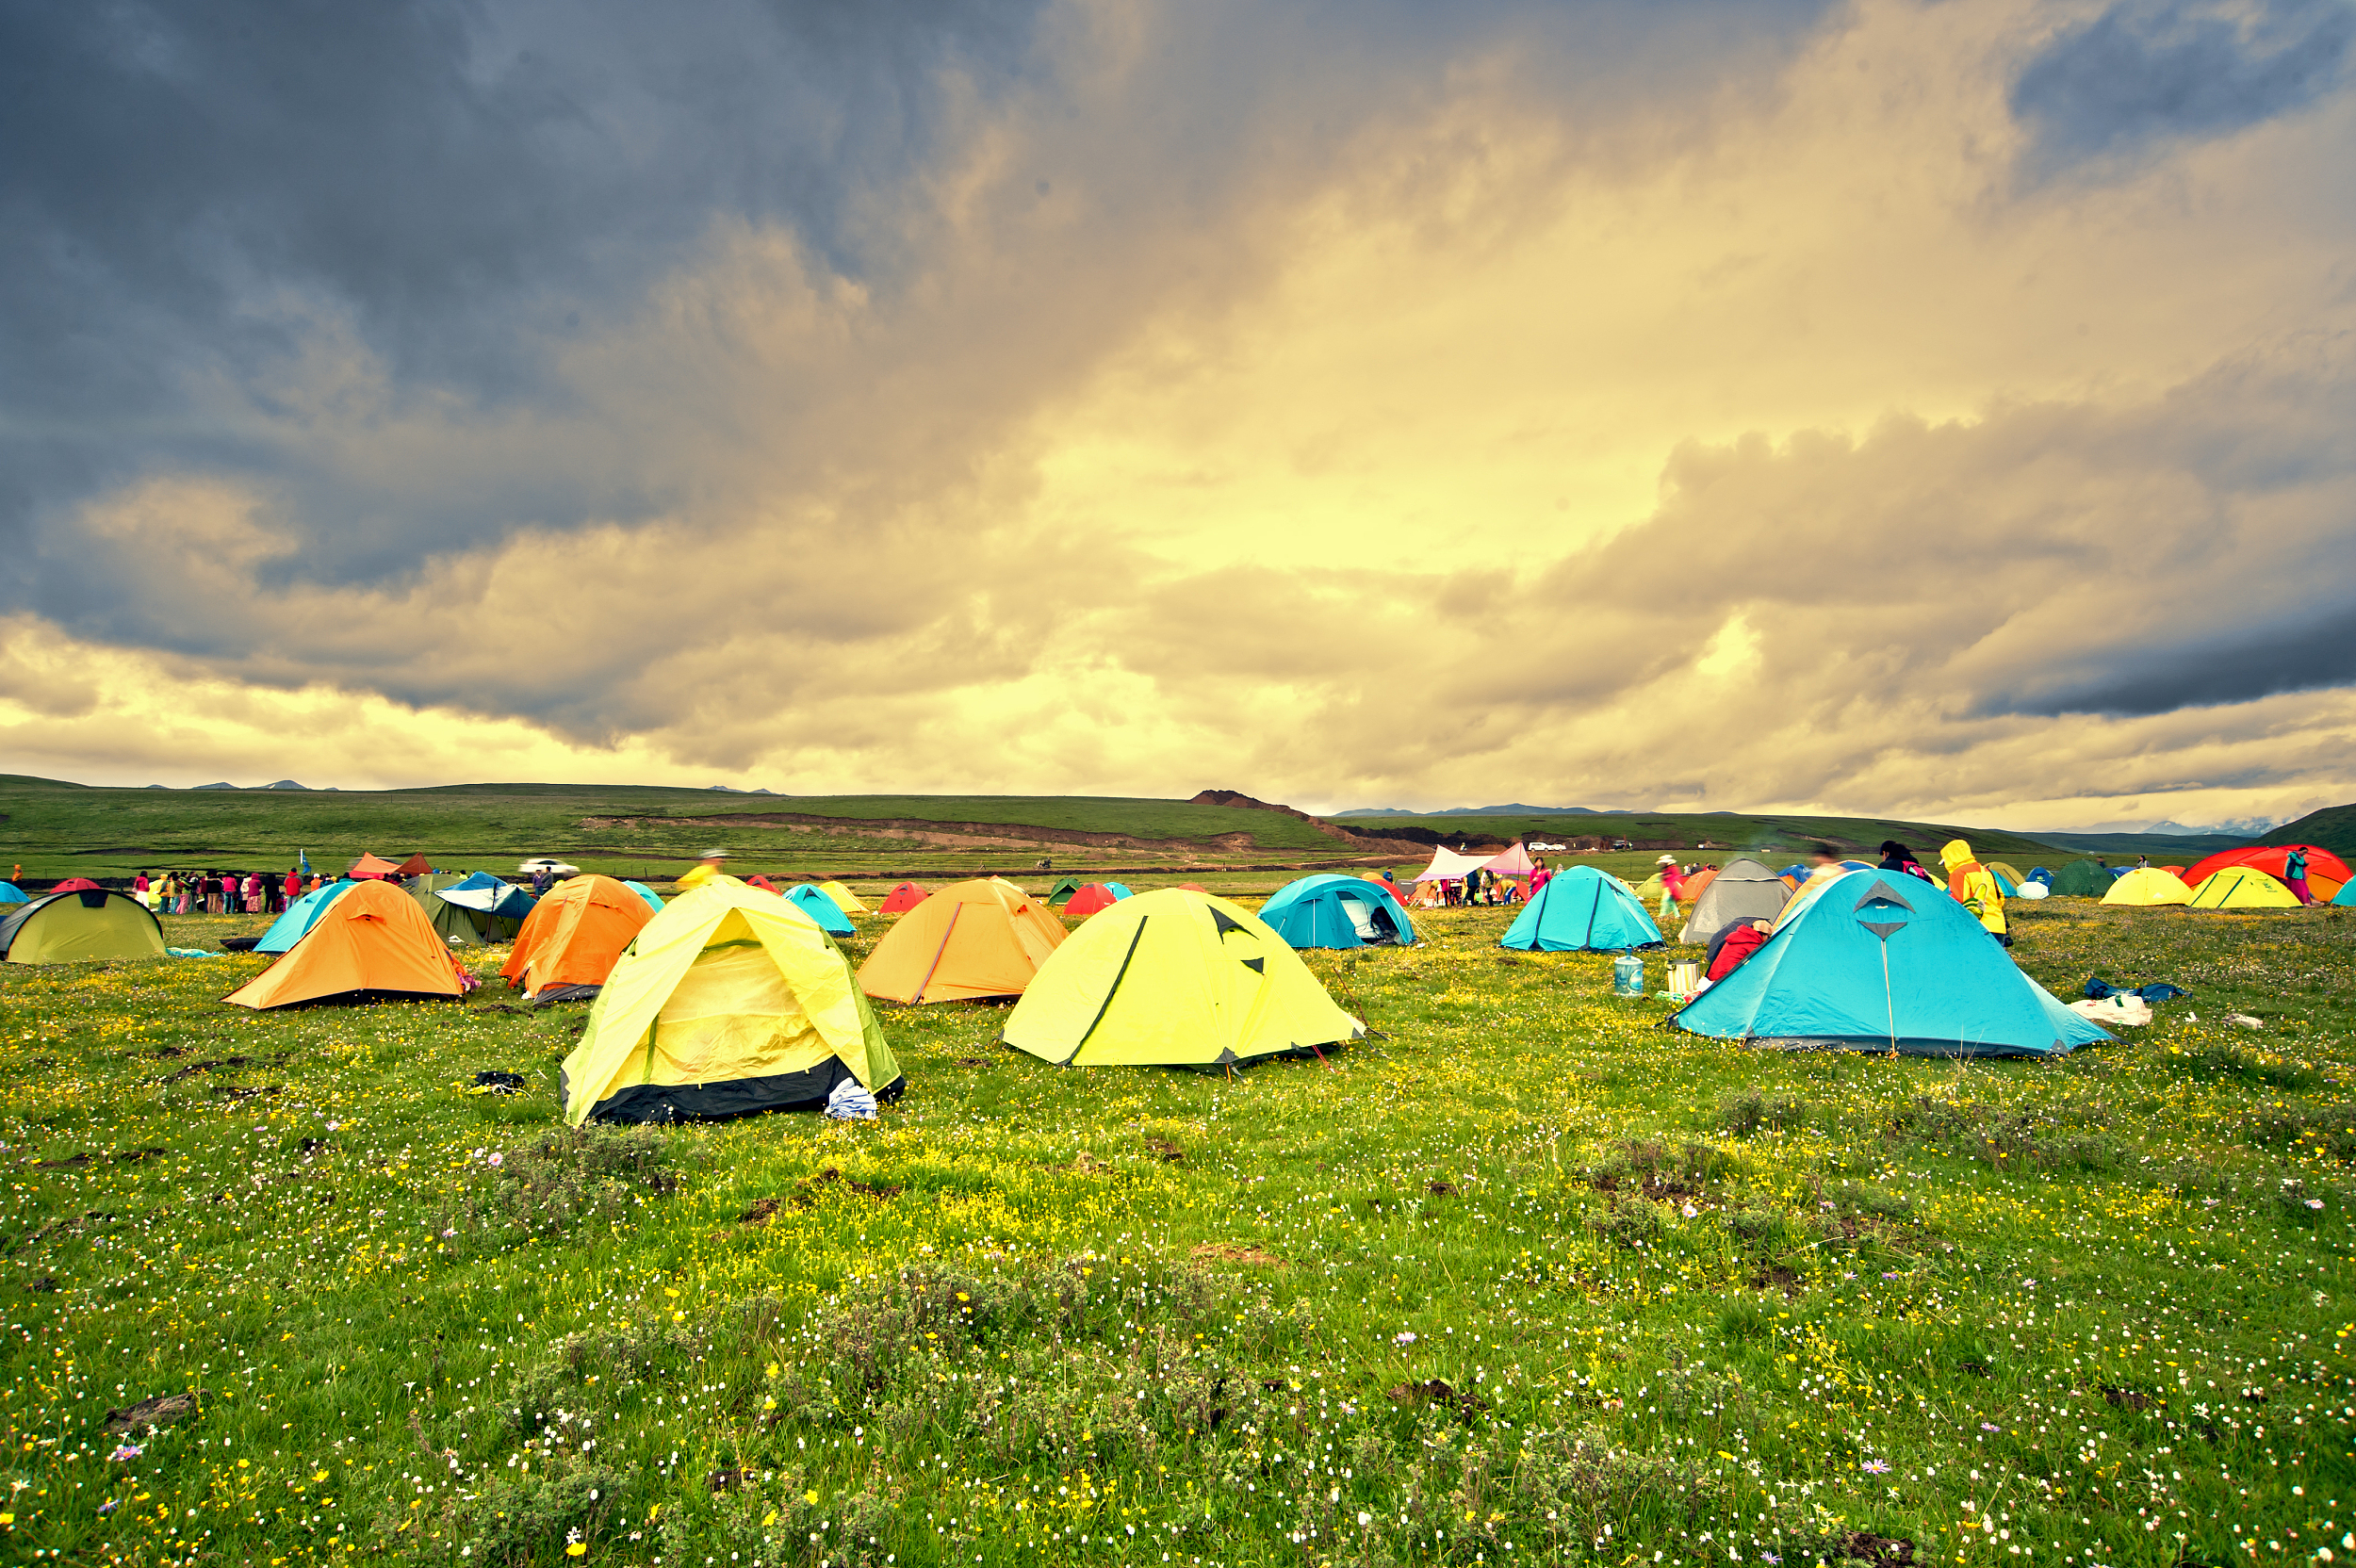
[1453, 1256]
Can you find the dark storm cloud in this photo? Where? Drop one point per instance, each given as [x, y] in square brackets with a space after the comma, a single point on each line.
[400, 269]
[2305, 654]
[2147, 70]
[191, 187]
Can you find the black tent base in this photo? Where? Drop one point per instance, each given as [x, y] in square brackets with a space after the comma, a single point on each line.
[358, 999]
[1882, 1045]
[784, 1091]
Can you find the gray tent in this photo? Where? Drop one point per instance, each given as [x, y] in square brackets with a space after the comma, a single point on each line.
[1742, 889]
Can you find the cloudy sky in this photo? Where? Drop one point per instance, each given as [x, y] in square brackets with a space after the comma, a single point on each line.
[1940, 409]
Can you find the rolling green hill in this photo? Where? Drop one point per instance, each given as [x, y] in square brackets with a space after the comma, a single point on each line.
[2333, 828]
[1718, 829]
[57, 829]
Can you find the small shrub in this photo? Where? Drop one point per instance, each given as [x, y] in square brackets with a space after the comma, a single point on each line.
[2328, 1129]
[1652, 1167]
[1872, 1199]
[516, 1514]
[565, 1180]
[1631, 1221]
[1758, 1226]
[2213, 1061]
[1749, 1111]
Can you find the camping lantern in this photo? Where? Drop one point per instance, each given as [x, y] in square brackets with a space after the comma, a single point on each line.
[1627, 975]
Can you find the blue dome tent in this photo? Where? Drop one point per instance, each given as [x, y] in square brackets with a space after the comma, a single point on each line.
[654, 900]
[487, 894]
[1880, 961]
[1336, 911]
[1582, 910]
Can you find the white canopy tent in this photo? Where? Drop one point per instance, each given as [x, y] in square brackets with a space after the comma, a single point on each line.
[1448, 866]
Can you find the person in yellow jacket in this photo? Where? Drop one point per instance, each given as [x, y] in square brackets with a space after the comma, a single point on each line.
[1973, 886]
[712, 865]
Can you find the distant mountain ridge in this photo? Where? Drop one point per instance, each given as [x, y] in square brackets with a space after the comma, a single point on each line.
[1489, 811]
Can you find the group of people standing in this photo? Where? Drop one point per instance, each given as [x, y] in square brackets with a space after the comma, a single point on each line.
[1482, 885]
[222, 893]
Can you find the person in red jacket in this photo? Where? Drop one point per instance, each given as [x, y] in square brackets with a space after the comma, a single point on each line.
[1736, 943]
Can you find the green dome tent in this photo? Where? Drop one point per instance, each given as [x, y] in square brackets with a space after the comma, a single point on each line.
[455, 923]
[2084, 879]
[85, 923]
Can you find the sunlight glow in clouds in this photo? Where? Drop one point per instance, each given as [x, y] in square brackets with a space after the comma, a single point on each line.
[1887, 407]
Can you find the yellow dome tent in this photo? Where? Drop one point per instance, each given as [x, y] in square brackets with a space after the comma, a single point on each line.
[2240, 887]
[726, 1002]
[1173, 978]
[979, 939]
[2148, 886]
[844, 899]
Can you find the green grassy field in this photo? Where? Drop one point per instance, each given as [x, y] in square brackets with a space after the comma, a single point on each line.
[58, 830]
[1524, 1278]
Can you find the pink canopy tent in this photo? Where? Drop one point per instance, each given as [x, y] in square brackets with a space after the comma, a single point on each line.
[1513, 862]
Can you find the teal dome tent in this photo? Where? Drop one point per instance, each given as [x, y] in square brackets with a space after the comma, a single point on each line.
[1582, 910]
[1336, 911]
[302, 914]
[1881, 961]
[824, 911]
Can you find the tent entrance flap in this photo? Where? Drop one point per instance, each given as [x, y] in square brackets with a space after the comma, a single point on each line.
[1112, 990]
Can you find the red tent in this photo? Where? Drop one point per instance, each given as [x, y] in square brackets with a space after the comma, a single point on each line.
[416, 865]
[1194, 887]
[2322, 865]
[1089, 899]
[763, 884]
[75, 885]
[907, 896]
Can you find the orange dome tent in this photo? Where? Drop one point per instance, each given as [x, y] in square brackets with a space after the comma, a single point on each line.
[1089, 899]
[370, 865]
[572, 937]
[984, 937]
[1691, 890]
[374, 940]
[907, 896]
